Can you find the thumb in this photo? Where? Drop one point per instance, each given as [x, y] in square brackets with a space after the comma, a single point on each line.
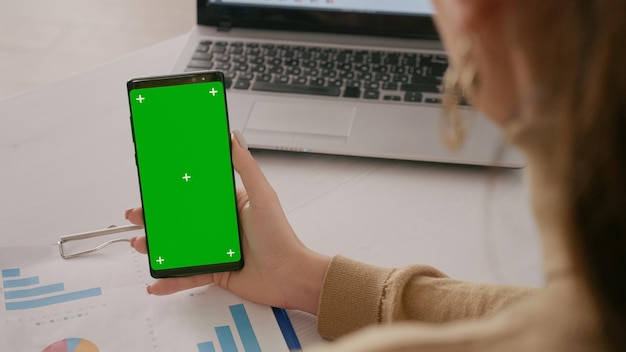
[253, 179]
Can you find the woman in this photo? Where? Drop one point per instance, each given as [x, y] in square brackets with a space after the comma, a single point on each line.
[552, 74]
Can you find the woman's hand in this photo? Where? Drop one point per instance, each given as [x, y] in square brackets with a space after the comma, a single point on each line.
[278, 269]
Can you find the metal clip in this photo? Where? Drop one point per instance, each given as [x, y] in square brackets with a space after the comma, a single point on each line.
[85, 235]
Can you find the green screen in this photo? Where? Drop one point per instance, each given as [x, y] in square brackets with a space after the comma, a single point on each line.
[185, 174]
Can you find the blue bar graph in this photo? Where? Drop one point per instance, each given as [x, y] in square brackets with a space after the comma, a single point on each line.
[19, 296]
[226, 337]
[246, 332]
[206, 347]
[31, 292]
[10, 272]
[46, 301]
[28, 281]
[250, 342]
[227, 342]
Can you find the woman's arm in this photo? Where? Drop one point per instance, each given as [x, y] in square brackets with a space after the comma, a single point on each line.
[356, 295]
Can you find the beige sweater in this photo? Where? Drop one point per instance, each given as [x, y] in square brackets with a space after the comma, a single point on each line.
[356, 295]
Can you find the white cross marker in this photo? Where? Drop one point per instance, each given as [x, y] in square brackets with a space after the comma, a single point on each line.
[186, 177]
[230, 253]
[213, 91]
[140, 99]
[160, 260]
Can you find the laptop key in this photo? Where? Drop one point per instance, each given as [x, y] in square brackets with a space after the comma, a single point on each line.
[352, 92]
[265, 77]
[281, 79]
[371, 85]
[298, 89]
[219, 49]
[392, 98]
[371, 94]
[202, 48]
[294, 71]
[430, 80]
[202, 56]
[222, 58]
[246, 76]
[317, 81]
[223, 66]
[335, 82]
[201, 64]
[242, 84]
[276, 69]
[390, 86]
[413, 97]
[401, 78]
[257, 68]
[432, 100]
[299, 80]
[427, 88]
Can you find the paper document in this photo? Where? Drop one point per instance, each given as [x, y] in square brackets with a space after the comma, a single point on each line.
[99, 303]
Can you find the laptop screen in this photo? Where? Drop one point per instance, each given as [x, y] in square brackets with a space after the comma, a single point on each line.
[390, 18]
[399, 7]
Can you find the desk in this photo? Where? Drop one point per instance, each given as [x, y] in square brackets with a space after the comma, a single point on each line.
[67, 166]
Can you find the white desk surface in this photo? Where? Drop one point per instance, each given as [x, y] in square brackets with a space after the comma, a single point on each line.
[67, 166]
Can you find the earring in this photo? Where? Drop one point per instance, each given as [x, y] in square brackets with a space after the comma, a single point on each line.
[459, 85]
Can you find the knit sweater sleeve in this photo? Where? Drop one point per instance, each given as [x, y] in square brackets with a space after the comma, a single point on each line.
[356, 295]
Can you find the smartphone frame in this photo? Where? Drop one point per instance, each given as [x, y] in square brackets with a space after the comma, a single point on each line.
[172, 80]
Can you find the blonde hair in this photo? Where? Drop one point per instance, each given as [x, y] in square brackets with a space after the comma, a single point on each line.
[577, 51]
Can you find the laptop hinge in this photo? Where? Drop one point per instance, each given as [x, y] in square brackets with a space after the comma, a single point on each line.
[224, 26]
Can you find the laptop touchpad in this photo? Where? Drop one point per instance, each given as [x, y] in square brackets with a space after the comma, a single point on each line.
[301, 121]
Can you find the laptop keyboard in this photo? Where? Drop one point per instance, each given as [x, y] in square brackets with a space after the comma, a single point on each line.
[324, 71]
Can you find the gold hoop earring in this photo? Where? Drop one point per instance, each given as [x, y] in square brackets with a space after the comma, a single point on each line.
[459, 85]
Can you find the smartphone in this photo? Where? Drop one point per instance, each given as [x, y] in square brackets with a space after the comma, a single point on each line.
[186, 179]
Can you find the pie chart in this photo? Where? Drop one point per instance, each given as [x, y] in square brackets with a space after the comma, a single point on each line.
[72, 345]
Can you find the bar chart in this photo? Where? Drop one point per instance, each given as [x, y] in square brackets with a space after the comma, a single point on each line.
[25, 292]
[100, 303]
[225, 334]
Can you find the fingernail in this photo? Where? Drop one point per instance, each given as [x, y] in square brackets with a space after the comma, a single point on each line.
[127, 213]
[132, 241]
[148, 290]
[240, 139]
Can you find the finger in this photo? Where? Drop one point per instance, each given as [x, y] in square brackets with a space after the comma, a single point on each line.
[242, 198]
[135, 216]
[172, 285]
[139, 244]
[252, 177]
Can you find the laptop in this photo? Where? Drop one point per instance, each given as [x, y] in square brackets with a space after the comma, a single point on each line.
[344, 77]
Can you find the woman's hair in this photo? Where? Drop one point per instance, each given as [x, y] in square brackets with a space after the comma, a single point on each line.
[577, 51]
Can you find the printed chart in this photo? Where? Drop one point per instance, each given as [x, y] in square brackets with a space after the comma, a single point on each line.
[99, 303]
[225, 334]
[25, 292]
[72, 345]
